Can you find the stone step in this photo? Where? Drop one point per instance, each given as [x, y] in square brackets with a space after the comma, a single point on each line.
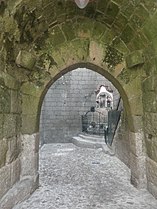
[94, 138]
[81, 142]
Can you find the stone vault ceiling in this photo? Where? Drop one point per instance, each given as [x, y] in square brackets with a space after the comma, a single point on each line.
[127, 25]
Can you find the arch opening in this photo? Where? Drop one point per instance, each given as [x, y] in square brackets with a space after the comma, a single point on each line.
[129, 151]
[55, 127]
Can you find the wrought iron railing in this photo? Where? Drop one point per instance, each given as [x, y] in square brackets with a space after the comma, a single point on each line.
[94, 121]
[113, 120]
[99, 122]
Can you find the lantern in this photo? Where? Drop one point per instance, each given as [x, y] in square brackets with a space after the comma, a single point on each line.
[81, 3]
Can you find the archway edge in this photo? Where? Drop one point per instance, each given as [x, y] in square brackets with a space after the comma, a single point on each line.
[99, 70]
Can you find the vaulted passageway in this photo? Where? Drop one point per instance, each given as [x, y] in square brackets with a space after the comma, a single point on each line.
[72, 177]
[40, 41]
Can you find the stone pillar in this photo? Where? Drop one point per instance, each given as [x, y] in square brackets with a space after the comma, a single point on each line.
[138, 160]
[30, 158]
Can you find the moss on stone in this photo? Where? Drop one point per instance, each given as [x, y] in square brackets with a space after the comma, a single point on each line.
[26, 60]
[119, 23]
[9, 47]
[113, 57]
[112, 10]
[68, 31]
[3, 6]
[101, 5]
[150, 5]
[124, 76]
[98, 30]
[150, 101]
[135, 58]
[5, 100]
[90, 10]
[82, 48]
[40, 41]
[29, 124]
[56, 37]
[127, 34]
[45, 62]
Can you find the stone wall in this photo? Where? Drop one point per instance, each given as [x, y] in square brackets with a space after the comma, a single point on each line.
[66, 101]
[150, 124]
[18, 170]
[121, 141]
[10, 146]
[41, 40]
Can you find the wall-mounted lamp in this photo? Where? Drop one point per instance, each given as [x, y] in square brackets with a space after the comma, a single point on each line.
[81, 3]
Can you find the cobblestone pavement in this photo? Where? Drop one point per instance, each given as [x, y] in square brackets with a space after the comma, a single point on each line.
[81, 178]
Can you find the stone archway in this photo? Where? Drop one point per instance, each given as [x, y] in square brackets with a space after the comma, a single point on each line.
[135, 137]
[118, 36]
[32, 97]
[33, 91]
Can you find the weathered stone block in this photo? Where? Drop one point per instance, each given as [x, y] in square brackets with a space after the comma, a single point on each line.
[151, 168]
[19, 192]
[9, 81]
[1, 126]
[5, 180]
[9, 125]
[148, 143]
[136, 105]
[137, 166]
[13, 149]
[150, 101]
[133, 88]
[135, 58]
[56, 37]
[150, 123]
[15, 102]
[30, 104]
[3, 151]
[26, 60]
[18, 124]
[154, 149]
[137, 123]
[97, 30]
[127, 34]
[37, 142]
[96, 52]
[81, 47]
[137, 143]
[15, 171]
[152, 189]
[29, 124]
[29, 163]
[31, 89]
[68, 31]
[149, 84]
[5, 100]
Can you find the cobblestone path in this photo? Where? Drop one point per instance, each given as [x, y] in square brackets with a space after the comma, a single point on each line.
[81, 178]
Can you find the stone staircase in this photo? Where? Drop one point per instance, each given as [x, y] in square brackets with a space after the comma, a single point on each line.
[92, 141]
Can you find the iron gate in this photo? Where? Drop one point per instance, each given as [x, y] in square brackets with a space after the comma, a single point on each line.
[113, 119]
[94, 122]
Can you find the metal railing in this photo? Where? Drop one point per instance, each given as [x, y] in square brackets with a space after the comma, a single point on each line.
[98, 122]
[94, 121]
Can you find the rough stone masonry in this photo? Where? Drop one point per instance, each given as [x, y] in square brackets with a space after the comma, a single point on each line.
[40, 41]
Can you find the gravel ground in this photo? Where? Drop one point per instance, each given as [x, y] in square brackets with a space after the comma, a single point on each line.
[82, 178]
